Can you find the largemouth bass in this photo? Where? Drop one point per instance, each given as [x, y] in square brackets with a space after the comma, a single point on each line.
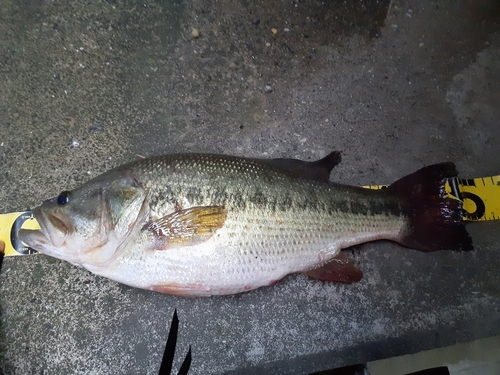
[201, 225]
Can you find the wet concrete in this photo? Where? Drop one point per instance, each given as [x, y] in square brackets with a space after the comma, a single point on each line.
[86, 86]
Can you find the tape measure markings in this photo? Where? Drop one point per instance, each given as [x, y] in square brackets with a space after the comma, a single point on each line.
[9, 227]
[480, 197]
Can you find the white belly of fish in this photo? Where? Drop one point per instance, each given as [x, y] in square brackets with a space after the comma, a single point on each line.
[246, 253]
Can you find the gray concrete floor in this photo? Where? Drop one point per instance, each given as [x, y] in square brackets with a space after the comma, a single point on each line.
[85, 86]
[472, 358]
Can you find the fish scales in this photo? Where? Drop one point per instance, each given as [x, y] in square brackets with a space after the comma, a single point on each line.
[276, 224]
[246, 184]
[199, 224]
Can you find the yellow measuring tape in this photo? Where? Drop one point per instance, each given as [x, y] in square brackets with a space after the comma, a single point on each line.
[480, 197]
[10, 225]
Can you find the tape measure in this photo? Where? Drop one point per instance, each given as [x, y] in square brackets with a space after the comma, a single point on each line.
[480, 197]
[10, 225]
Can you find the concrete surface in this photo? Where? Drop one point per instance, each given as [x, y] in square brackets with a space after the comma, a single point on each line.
[87, 85]
[476, 357]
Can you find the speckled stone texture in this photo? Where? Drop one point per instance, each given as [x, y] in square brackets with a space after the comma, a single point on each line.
[87, 85]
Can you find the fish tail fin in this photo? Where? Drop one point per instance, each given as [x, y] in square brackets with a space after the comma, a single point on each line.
[434, 218]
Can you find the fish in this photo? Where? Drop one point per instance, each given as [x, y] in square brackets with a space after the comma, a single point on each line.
[199, 225]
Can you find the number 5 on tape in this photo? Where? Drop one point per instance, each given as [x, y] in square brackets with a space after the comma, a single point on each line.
[480, 196]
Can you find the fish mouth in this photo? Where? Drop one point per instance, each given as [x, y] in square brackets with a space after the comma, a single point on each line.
[54, 230]
[35, 239]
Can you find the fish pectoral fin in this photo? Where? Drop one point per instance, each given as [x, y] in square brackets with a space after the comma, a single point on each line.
[188, 227]
[340, 269]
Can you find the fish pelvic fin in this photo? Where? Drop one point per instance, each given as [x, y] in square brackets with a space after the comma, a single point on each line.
[187, 227]
[434, 218]
[194, 290]
[340, 269]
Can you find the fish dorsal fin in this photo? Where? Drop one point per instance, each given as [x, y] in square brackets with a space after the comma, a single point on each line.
[340, 269]
[187, 227]
[318, 170]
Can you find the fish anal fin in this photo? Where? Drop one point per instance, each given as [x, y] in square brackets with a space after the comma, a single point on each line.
[340, 269]
[187, 227]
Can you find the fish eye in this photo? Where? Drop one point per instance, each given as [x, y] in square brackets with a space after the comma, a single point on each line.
[63, 198]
